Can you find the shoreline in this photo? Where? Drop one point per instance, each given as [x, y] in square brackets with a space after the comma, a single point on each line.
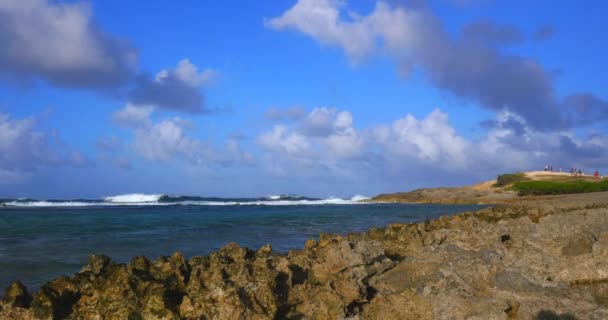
[540, 256]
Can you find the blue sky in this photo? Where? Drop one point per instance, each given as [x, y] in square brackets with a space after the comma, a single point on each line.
[315, 97]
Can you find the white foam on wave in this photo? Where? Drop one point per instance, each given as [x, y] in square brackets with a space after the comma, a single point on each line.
[79, 204]
[134, 198]
[358, 198]
[49, 204]
[151, 200]
[283, 196]
[328, 201]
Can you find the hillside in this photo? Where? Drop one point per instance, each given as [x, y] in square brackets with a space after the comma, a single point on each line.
[490, 192]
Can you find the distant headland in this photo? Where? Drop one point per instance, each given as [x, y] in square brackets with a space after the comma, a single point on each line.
[507, 188]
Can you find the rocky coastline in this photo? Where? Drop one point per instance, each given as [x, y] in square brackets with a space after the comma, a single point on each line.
[538, 258]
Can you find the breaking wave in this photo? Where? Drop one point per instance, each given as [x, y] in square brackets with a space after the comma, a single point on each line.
[140, 199]
[134, 198]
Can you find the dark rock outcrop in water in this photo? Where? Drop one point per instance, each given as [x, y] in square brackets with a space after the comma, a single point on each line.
[538, 260]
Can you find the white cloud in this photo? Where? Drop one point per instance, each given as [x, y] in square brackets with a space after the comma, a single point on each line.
[167, 140]
[321, 20]
[188, 73]
[471, 64]
[164, 140]
[329, 134]
[60, 42]
[319, 122]
[22, 147]
[25, 149]
[344, 142]
[319, 139]
[429, 139]
[281, 139]
[424, 148]
[357, 34]
[133, 115]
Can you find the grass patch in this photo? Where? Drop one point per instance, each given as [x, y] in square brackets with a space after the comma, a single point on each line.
[533, 188]
[504, 180]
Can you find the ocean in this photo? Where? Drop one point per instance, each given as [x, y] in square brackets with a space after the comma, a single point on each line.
[41, 240]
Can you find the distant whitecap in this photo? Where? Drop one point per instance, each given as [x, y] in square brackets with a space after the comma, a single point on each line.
[134, 198]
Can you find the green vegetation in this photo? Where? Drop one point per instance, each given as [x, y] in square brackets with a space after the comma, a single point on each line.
[528, 188]
[509, 178]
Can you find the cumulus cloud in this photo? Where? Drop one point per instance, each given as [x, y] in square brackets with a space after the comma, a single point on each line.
[60, 42]
[412, 148]
[336, 149]
[319, 122]
[470, 65]
[164, 140]
[22, 147]
[177, 88]
[562, 148]
[334, 137]
[25, 149]
[429, 139]
[282, 140]
[321, 20]
[133, 115]
[322, 130]
[167, 140]
[187, 73]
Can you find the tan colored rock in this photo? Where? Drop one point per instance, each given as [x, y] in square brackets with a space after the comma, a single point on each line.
[405, 305]
[17, 296]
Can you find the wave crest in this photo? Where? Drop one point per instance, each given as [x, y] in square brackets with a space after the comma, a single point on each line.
[140, 199]
[134, 198]
[359, 198]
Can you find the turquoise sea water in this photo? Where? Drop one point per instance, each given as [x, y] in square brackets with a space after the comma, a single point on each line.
[41, 242]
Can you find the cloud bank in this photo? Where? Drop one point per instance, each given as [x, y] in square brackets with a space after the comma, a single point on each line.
[420, 148]
[60, 43]
[471, 65]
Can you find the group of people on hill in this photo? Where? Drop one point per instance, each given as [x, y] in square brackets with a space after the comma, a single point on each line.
[574, 172]
[579, 172]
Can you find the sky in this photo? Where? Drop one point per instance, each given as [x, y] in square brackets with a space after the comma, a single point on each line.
[314, 97]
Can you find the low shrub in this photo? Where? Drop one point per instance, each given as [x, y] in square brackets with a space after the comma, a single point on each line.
[509, 178]
[528, 188]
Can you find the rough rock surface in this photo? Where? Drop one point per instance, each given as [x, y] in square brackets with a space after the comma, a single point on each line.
[540, 259]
